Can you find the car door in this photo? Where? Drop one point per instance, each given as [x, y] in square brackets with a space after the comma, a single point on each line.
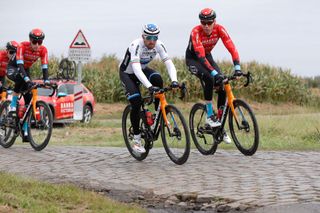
[64, 104]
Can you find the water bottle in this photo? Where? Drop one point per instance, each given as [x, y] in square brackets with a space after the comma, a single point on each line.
[220, 112]
[149, 117]
[22, 110]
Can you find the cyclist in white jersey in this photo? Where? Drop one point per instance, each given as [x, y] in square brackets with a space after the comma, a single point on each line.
[134, 70]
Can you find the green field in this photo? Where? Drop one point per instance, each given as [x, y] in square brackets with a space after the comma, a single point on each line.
[25, 195]
[282, 127]
[270, 84]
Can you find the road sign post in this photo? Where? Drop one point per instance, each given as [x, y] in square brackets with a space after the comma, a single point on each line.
[79, 51]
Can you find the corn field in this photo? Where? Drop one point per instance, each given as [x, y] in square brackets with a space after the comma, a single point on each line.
[271, 84]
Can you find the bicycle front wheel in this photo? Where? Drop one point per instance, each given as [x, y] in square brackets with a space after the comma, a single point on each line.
[175, 135]
[7, 130]
[127, 131]
[204, 142]
[40, 126]
[244, 130]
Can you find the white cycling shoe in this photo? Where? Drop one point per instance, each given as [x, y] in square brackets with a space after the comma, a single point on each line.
[137, 146]
[212, 122]
[226, 138]
[12, 110]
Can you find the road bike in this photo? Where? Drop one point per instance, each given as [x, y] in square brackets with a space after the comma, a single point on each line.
[243, 125]
[168, 120]
[37, 115]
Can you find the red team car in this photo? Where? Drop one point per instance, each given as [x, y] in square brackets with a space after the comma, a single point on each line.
[62, 101]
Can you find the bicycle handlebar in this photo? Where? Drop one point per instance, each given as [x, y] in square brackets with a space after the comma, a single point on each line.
[233, 77]
[182, 88]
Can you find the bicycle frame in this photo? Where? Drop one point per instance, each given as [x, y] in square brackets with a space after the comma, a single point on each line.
[159, 112]
[155, 128]
[3, 96]
[4, 93]
[230, 99]
[33, 105]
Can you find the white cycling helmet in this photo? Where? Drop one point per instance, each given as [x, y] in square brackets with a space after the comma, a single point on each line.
[150, 30]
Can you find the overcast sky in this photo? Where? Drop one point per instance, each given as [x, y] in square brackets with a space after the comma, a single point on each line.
[282, 33]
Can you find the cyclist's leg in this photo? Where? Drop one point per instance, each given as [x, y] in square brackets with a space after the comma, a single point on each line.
[131, 86]
[155, 79]
[13, 75]
[27, 99]
[221, 92]
[203, 74]
[221, 96]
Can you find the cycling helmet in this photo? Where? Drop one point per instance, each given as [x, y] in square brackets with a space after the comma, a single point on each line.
[207, 14]
[12, 45]
[36, 34]
[150, 30]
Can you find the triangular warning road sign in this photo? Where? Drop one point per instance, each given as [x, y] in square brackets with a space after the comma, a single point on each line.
[79, 41]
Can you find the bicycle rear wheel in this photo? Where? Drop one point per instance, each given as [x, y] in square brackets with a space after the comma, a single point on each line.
[40, 126]
[244, 130]
[127, 132]
[175, 137]
[205, 143]
[7, 130]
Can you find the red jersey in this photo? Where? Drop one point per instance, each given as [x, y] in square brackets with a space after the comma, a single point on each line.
[201, 45]
[26, 56]
[3, 62]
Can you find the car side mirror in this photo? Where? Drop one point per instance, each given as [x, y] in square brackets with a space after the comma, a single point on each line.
[62, 94]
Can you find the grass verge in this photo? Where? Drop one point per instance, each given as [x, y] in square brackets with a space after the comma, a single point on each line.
[26, 195]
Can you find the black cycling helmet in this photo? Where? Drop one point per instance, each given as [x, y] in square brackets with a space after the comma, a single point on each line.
[36, 34]
[207, 14]
[12, 45]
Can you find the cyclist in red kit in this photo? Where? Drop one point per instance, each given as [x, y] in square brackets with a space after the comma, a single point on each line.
[28, 52]
[5, 56]
[199, 60]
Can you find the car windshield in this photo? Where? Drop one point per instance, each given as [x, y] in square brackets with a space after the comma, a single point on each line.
[44, 92]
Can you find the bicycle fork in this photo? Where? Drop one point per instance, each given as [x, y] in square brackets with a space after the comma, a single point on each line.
[163, 104]
[230, 99]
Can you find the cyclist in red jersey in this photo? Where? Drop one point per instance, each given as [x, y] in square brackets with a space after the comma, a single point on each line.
[5, 55]
[28, 52]
[199, 60]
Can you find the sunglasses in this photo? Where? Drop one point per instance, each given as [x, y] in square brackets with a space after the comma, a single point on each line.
[151, 38]
[11, 52]
[36, 42]
[209, 23]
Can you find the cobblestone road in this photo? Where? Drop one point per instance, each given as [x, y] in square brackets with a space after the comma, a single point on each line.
[265, 179]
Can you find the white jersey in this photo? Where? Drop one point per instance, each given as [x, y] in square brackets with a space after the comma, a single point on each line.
[138, 56]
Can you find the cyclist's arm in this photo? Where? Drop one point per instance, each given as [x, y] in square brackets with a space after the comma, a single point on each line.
[20, 62]
[44, 63]
[167, 61]
[136, 66]
[199, 49]
[229, 45]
